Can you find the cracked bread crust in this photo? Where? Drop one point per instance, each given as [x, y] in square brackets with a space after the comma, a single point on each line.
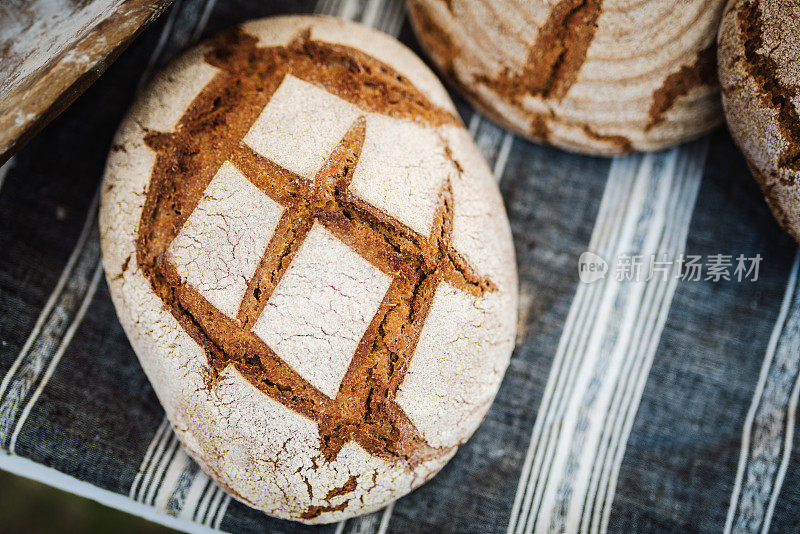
[228, 250]
[591, 76]
[759, 50]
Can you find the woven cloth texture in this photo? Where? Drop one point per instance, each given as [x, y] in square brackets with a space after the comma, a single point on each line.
[664, 405]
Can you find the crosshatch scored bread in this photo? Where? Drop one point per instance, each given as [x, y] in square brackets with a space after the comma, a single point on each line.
[759, 54]
[312, 262]
[594, 76]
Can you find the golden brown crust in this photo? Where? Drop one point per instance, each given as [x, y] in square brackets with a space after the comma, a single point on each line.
[557, 55]
[679, 83]
[210, 133]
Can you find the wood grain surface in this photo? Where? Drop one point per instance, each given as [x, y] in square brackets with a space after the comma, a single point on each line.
[52, 50]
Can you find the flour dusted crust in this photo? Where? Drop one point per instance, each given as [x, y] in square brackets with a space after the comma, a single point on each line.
[759, 54]
[594, 76]
[312, 262]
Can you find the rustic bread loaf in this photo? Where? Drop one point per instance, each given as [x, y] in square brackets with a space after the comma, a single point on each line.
[759, 70]
[585, 75]
[312, 262]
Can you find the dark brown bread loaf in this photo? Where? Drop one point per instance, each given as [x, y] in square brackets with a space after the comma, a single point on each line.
[759, 70]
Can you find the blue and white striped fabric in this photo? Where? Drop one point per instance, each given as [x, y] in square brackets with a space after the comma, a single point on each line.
[660, 404]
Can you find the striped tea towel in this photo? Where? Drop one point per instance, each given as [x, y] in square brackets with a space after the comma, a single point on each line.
[654, 389]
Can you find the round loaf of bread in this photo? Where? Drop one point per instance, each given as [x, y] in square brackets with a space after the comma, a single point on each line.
[592, 76]
[759, 71]
[312, 262]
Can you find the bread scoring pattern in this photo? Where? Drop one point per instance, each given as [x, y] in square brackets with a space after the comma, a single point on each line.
[314, 198]
[595, 76]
